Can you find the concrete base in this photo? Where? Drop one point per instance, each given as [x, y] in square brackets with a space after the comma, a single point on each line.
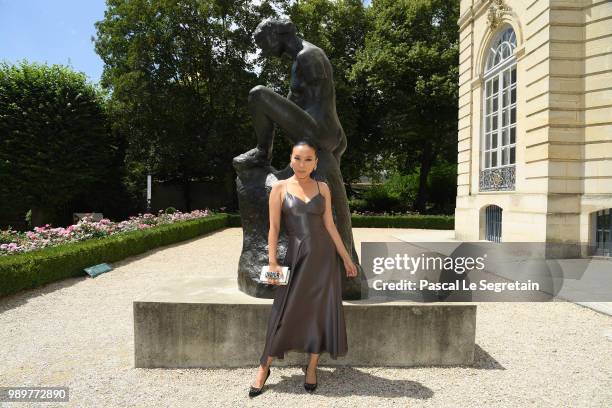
[203, 323]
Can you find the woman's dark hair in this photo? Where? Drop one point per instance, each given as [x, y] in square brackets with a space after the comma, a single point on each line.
[307, 143]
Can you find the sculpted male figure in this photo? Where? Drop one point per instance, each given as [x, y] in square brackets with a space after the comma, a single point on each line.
[308, 112]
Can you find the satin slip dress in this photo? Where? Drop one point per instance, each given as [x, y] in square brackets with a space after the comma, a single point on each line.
[307, 314]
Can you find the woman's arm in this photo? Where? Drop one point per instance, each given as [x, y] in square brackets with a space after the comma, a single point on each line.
[274, 205]
[329, 223]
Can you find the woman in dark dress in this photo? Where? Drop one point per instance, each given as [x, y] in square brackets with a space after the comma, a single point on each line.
[307, 314]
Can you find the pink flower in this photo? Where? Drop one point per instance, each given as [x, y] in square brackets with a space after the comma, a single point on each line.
[86, 228]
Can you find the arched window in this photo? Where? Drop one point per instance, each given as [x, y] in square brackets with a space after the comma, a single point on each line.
[493, 223]
[499, 152]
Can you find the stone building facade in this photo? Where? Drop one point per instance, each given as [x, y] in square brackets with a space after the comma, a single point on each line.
[535, 122]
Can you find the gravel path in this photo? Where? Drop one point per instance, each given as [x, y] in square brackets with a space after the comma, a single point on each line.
[79, 333]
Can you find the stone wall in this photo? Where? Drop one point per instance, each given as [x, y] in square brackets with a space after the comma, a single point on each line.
[564, 118]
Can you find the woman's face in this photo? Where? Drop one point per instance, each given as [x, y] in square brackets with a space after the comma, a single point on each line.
[303, 160]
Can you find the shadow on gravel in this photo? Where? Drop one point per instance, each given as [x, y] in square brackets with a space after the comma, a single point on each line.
[484, 361]
[347, 381]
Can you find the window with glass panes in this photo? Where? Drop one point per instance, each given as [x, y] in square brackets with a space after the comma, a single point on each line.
[603, 232]
[500, 102]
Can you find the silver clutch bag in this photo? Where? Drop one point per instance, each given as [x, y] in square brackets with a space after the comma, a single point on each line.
[266, 274]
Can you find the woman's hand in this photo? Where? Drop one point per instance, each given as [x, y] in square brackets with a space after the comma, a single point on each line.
[351, 269]
[275, 268]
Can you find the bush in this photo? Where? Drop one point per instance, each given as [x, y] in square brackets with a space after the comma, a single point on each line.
[33, 269]
[234, 220]
[444, 222]
[55, 144]
[396, 194]
[379, 198]
[404, 187]
[357, 204]
[42, 237]
[442, 187]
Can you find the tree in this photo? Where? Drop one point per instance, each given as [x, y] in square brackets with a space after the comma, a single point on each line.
[410, 61]
[339, 28]
[179, 73]
[55, 145]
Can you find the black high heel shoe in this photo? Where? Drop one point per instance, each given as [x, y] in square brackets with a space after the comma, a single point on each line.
[253, 392]
[307, 386]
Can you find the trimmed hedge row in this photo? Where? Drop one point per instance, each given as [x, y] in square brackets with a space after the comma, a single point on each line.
[234, 220]
[36, 268]
[445, 222]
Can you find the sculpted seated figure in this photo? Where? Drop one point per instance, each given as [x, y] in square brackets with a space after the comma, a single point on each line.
[309, 111]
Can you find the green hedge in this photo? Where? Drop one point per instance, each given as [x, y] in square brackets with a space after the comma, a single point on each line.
[445, 222]
[234, 220]
[36, 268]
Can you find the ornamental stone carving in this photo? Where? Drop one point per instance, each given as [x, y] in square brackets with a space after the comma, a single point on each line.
[497, 9]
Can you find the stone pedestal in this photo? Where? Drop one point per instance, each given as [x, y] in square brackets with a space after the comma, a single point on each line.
[206, 322]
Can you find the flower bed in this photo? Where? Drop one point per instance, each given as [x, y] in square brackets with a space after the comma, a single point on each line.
[14, 242]
[36, 268]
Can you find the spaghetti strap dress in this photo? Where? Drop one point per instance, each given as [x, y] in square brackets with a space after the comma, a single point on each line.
[307, 314]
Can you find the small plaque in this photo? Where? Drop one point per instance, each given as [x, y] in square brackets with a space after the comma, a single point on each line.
[96, 270]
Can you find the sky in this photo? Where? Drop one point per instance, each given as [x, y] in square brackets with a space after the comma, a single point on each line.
[53, 32]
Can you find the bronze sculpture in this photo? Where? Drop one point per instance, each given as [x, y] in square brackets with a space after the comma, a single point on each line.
[308, 112]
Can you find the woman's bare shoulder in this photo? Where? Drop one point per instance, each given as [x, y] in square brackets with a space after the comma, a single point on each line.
[278, 184]
[277, 188]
